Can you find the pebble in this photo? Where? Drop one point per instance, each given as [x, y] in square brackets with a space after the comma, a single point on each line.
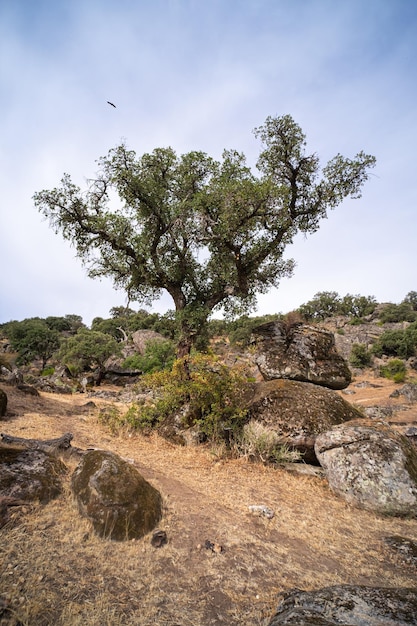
[262, 510]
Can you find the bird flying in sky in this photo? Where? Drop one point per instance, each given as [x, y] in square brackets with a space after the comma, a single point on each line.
[111, 104]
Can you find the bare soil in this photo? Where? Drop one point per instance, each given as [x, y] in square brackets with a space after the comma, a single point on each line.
[55, 571]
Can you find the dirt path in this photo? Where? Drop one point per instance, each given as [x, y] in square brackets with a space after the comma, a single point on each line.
[55, 571]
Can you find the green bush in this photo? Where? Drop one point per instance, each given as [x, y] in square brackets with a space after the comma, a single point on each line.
[205, 391]
[159, 355]
[395, 370]
[402, 312]
[360, 355]
[397, 343]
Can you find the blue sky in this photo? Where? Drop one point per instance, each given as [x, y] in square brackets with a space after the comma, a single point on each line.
[202, 74]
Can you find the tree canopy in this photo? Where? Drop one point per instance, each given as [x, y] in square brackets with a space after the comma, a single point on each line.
[211, 233]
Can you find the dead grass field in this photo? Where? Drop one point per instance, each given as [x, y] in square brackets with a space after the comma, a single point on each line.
[55, 571]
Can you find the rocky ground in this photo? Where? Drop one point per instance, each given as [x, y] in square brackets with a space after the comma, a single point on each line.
[53, 570]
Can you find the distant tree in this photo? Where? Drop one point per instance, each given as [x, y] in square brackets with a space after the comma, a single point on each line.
[32, 339]
[402, 312]
[210, 233]
[324, 304]
[122, 311]
[117, 327]
[357, 306]
[411, 298]
[89, 349]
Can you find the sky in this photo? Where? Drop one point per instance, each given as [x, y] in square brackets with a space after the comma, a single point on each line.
[201, 75]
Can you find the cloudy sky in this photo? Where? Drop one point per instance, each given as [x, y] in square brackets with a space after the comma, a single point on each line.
[202, 74]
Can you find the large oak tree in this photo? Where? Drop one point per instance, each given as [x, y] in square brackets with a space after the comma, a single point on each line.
[211, 233]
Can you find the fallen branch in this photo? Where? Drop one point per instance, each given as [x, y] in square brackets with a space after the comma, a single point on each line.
[61, 443]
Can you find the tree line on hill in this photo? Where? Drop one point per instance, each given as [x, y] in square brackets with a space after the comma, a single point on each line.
[68, 341]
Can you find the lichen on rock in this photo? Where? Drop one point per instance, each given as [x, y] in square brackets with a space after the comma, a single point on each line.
[119, 502]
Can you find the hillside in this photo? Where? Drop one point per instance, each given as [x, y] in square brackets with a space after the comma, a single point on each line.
[55, 571]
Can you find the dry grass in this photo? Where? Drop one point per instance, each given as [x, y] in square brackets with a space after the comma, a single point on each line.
[54, 570]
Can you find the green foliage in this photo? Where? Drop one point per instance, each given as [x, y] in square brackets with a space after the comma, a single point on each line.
[411, 299]
[324, 304]
[115, 327]
[240, 330]
[159, 355]
[111, 417]
[360, 355]
[402, 312]
[328, 304]
[48, 371]
[211, 233]
[395, 370]
[400, 343]
[88, 349]
[357, 306]
[32, 339]
[203, 390]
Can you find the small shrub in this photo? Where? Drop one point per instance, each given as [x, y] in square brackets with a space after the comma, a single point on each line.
[259, 443]
[48, 371]
[395, 370]
[360, 355]
[206, 392]
[110, 416]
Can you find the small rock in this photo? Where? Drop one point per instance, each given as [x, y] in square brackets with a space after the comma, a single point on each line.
[159, 539]
[214, 547]
[407, 548]
[261, 510]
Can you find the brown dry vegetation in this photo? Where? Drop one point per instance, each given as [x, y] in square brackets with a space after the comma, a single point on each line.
[54, 570]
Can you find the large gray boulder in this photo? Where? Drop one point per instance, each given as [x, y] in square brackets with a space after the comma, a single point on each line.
[348, 605]
[32, 475]
[299, 352]
[298, 412]
[119, 502]
[371, 466]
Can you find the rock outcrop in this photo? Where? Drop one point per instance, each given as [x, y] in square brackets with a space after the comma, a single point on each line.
[348, 605]
[119, 502]
[299, 412]
[371, 466]
[141, 337]
[299, 352]
[30, 475]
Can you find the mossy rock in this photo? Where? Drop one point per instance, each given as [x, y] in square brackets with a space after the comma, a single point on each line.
[3, 403]
[118, 501]
[298, 412]
[30, 474]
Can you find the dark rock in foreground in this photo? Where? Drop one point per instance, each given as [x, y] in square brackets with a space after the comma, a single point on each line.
[32, 475]
[119, 502]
